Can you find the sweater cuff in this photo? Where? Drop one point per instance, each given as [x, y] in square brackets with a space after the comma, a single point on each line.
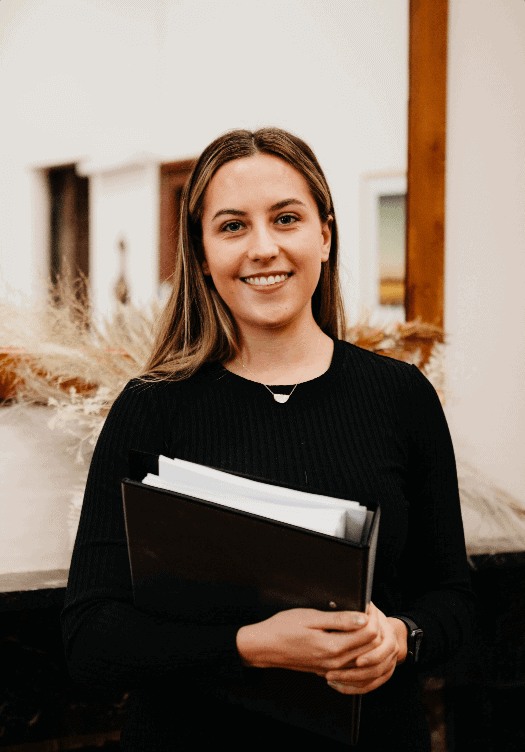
[231, 667]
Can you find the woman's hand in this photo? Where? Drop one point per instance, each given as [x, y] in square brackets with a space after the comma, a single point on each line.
[376, 665]
[325, 643]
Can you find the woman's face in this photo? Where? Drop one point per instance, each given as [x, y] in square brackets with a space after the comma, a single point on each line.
[263, 242]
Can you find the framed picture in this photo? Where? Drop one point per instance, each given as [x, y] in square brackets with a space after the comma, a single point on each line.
[383, 243]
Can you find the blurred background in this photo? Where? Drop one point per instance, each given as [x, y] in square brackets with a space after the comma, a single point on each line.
[416, 112]
[105, 101]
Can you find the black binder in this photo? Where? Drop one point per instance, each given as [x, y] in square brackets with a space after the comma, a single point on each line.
[199, 562]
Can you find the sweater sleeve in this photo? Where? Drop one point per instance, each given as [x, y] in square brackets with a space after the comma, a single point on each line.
[433, 569]
[107, 640]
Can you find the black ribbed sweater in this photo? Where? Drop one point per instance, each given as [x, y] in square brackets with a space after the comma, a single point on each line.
[370, 429]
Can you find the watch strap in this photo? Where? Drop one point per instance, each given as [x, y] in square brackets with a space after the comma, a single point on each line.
[414, 637]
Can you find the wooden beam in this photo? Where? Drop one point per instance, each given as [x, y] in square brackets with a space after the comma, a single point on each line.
[424, 296]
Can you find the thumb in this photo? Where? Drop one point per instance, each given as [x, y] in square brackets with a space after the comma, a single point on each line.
[343, 621]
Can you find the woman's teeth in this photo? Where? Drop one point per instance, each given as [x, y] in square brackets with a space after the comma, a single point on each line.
[271, 280]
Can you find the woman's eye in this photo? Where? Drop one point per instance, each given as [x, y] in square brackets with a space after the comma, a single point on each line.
[232, 226]
[286, 219]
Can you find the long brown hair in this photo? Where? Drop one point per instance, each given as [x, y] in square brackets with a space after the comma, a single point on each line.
[196, 327]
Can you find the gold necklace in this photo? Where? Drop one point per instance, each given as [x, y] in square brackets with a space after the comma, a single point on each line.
[281, 398]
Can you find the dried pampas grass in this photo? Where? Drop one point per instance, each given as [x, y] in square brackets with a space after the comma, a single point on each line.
[411, 341]
[55, 354]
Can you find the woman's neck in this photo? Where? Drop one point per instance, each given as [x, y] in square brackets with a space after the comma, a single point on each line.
[283, 357]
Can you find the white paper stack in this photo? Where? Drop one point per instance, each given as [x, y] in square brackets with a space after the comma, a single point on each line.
[322, 514]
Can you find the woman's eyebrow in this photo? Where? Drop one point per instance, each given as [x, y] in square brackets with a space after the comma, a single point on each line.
[275, 207]
[286, 202]
[237, 212]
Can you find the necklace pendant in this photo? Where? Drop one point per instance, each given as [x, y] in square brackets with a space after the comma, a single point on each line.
[282, 398]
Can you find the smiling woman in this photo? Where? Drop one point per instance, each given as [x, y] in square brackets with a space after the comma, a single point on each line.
[256, 308]
[264, 257]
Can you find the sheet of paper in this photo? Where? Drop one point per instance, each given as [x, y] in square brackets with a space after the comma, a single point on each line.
[322, 518]
[201, 477]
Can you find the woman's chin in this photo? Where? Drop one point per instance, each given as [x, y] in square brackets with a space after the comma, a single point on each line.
[273, 321]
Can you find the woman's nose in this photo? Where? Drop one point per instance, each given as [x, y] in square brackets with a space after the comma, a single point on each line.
[263, 246]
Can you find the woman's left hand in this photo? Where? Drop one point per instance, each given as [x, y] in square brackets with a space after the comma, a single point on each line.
[376, 664]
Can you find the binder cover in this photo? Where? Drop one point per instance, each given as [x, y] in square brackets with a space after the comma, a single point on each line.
[197, 562]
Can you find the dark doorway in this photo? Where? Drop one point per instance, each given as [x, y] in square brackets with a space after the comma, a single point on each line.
[69, 226]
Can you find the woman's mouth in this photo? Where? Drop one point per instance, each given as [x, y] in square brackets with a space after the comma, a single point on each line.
[266, 280]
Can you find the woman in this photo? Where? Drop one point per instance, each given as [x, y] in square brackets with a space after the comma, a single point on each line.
[256, 312]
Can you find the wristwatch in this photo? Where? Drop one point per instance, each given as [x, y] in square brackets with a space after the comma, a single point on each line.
[414, 637]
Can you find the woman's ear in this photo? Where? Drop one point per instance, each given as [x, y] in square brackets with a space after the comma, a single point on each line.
[326, 232]
[205, 267]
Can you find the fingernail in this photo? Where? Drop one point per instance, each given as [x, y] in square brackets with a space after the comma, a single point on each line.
[339, 685]
[359, 619]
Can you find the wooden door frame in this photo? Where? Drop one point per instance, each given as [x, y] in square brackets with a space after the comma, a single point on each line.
[425, 218]
[172, 177]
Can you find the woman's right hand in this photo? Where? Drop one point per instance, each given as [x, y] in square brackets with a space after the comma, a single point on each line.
[304, 639]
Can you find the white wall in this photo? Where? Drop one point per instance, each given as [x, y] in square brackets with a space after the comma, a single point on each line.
[335, 73]
[105, 80]
[485, 237]
[125, 206]
[75, 82]
[38, 481]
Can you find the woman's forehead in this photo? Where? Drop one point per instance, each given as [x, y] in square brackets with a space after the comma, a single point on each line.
[258, 178]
